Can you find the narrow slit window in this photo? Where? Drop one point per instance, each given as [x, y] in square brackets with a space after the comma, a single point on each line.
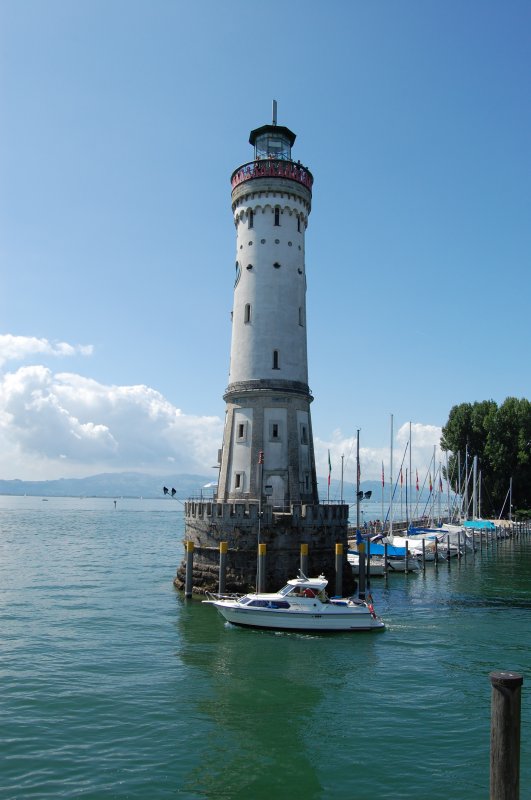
[247, 313]
[238, 480]
[241, 430]
[277, 216]
[275, 360]
[304, 434]
[251, 218]
[274, 432]
[299, 224]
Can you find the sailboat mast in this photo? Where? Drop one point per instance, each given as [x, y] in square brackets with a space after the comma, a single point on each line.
[391, 484]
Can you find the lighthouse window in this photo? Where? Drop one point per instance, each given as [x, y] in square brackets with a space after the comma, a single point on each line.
[277, 216]
[249, 266]
[247, 313]
[241, 432]
[299, 224]
[275, 359]
[274, 431]
[251, 218]
[276, 265]
[304, 434]
[238, 480]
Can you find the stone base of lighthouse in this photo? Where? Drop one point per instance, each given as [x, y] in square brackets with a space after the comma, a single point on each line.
[207, 524]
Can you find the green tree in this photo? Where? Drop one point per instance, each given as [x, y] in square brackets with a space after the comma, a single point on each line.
[501, 439]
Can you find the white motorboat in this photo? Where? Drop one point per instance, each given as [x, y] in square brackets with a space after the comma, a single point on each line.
[377, 564]
[301, 605]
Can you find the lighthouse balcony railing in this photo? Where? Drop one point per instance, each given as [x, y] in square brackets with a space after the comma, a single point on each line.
[272, 168]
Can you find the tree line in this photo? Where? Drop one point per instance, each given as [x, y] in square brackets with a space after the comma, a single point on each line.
[500, 436]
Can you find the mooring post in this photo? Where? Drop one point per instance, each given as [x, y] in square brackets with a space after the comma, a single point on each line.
[304, 558]
[189, 580]
[424, 555]
[448, 548]
[385, 558]
[261, 567]
[505, 735]
[406, 555]
[339, 569]
[436, 552]
[223, 549]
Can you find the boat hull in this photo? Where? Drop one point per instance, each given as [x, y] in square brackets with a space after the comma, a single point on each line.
[299, 621]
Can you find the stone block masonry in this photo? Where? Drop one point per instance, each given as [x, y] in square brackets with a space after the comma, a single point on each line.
[209, 523]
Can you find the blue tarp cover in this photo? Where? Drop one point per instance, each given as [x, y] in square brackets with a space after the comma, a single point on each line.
[480, 524]
[378, 550]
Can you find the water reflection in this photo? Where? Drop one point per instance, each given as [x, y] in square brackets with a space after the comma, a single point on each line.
[270, 699]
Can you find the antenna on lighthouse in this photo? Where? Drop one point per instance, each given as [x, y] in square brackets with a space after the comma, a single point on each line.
[274, 112]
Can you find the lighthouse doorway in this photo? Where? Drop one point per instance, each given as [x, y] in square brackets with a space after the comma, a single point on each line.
[276, 490]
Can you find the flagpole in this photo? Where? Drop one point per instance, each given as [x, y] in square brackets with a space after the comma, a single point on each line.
[329, 473]
[342, 458]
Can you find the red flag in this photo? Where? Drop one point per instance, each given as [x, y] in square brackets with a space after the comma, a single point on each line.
[383, 476]
[417, 479]
[431, 487]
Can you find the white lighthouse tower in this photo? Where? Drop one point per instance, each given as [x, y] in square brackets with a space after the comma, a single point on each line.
[267, 496]
[268, 399]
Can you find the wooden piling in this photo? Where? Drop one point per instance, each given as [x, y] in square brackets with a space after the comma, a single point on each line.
[406, 543]
[339, 569]
[505, 735]
[189, 579]
[424, 555]
[304, 558]
[223, 550]
[261, 567]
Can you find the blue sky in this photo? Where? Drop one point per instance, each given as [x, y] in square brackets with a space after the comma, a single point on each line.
[121, 125]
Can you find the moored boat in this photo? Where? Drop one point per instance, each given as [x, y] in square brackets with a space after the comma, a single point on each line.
[301, 605]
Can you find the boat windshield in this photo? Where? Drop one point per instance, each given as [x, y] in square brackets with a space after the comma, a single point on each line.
[287, 589]
[244, 600]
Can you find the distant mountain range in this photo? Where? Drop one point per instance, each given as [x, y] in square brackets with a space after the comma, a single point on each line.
[138, 484]
[110, 484]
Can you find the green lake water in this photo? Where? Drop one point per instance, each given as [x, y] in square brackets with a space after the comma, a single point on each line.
[113, 686]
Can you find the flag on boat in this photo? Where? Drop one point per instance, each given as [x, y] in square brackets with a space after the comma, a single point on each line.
[383, 476]
[431, 485]
[417, 479]
[329, 468]
[440, 484]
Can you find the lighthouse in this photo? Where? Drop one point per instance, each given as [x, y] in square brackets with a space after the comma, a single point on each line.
[267, 486]
[267, 422]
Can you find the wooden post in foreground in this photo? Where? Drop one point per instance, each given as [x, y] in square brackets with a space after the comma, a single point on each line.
[189, 580]
[339, 569]
[505, 735]
[304, 558]
[223, 549]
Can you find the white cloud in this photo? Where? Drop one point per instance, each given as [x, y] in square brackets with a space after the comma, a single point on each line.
[423, 437]
[19, 348]
[60, 425]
